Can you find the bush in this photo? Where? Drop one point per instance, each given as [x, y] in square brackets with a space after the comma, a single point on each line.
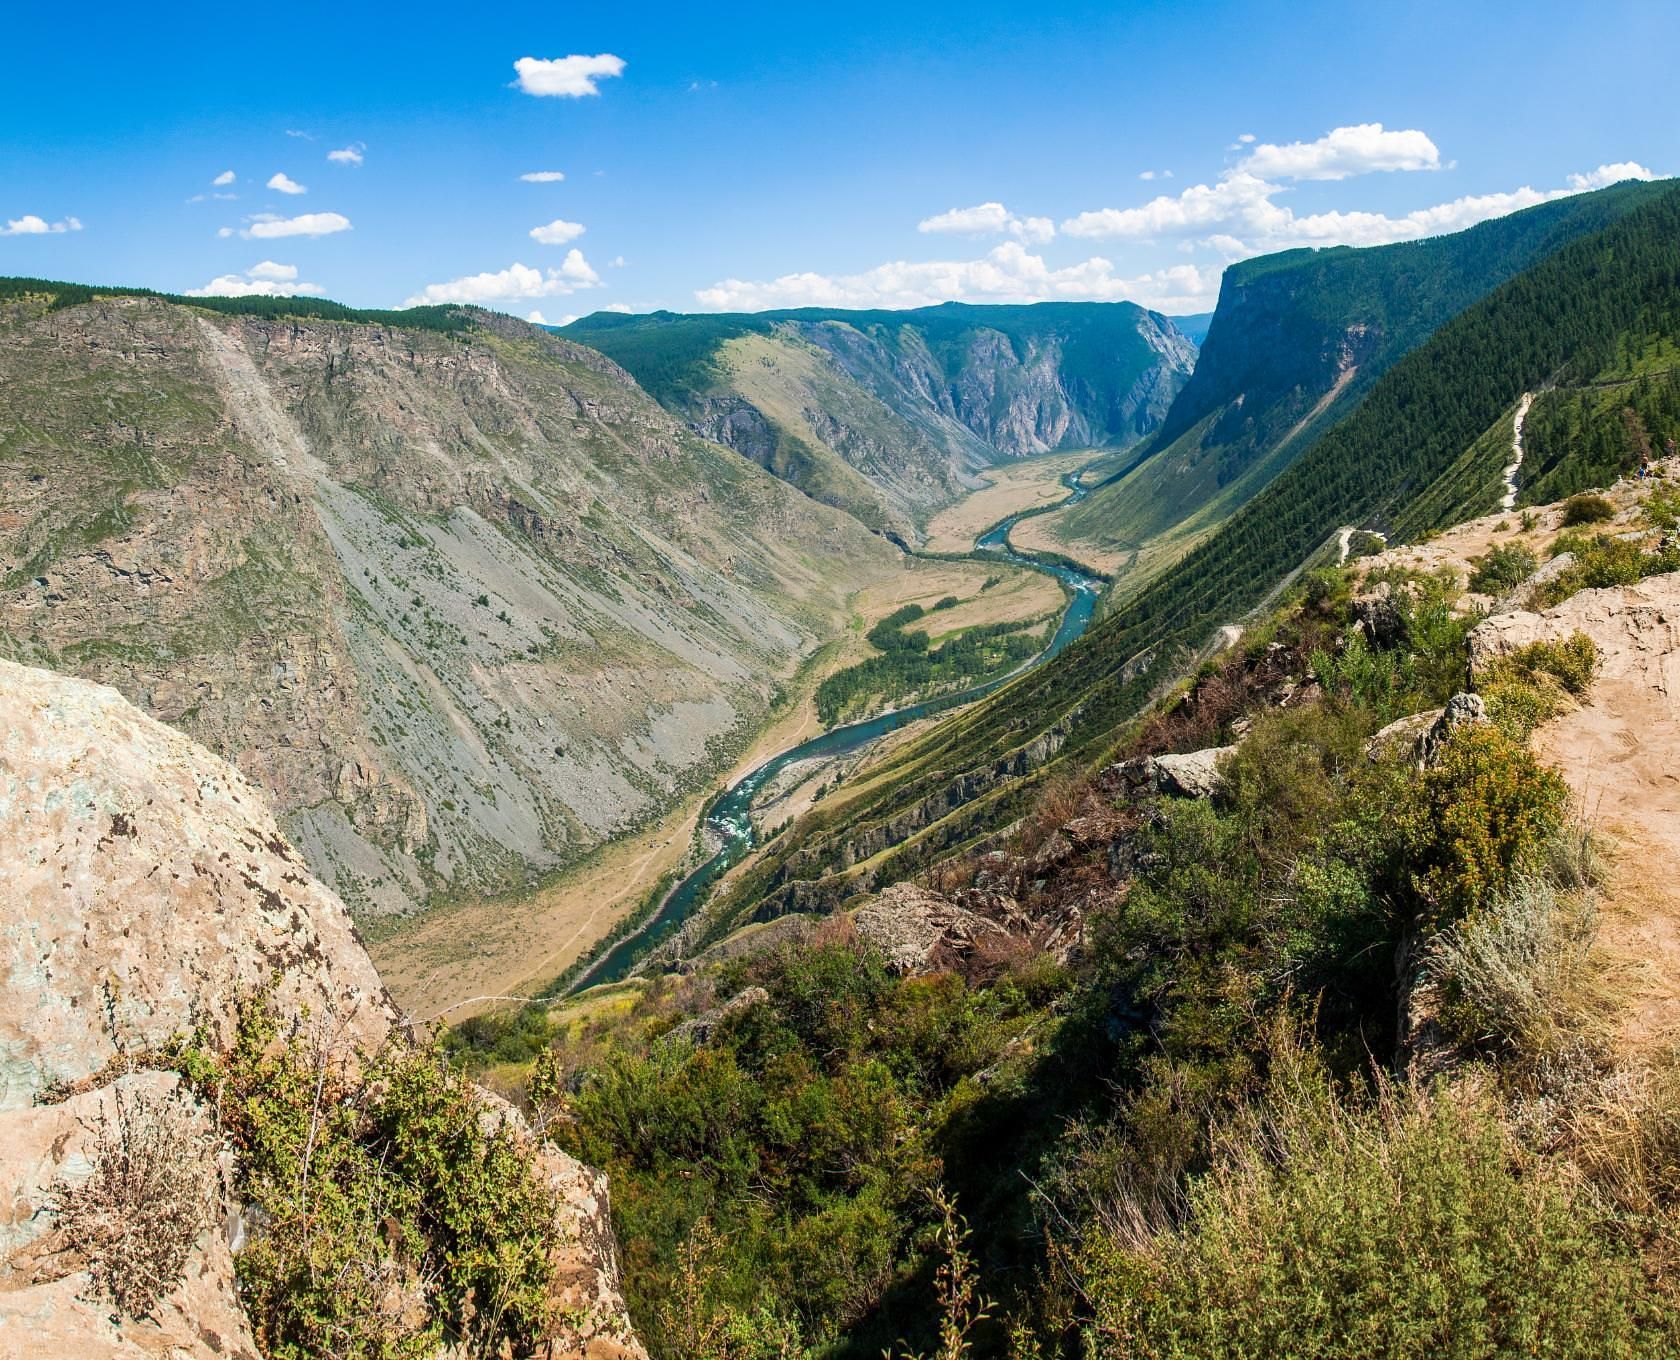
[1604, 561]
[1340, 1229]
[1503, 569]
[390, 1215]
[1512, 974]
[1475, 821]
[136, 1217]
[1587, 508]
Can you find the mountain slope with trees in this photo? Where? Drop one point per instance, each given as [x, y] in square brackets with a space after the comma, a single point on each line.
[1297, 342]
[1571, 314]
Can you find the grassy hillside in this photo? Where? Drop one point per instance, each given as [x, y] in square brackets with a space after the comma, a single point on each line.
[1298, 340]
[1566, 317]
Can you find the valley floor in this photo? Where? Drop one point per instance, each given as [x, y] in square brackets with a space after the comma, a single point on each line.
[460, 960]
[1013, 487]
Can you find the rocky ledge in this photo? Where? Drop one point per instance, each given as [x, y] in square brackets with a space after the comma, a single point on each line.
[147, 890]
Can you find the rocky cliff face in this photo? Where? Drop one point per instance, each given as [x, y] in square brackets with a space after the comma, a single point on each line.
[463, 603]
[889, 414]
[149, 889]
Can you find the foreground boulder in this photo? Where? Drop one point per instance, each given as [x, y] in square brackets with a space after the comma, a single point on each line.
[147, 889]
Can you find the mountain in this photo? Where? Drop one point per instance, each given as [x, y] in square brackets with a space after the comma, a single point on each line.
[1297, 341]
[454, 591]
[889, 414]
[1605, 300]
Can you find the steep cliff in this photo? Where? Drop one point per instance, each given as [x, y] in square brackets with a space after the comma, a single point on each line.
[149, 894]
[464, 602]
[1297, 341]
[888, 414]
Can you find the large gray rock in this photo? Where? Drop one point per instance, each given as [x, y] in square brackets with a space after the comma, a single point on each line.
[1192, 775]
[913, 927]
[146, 890]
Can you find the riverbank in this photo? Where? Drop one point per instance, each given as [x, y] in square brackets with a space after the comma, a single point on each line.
[464, 959]
[729, 820]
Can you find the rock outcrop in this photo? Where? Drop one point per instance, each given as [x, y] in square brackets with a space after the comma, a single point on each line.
[1194, 774]
[147, 889]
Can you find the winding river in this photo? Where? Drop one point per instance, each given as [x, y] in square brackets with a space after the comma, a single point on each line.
[730, 816]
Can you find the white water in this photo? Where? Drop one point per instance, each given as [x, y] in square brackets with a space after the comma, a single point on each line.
[1510, 498]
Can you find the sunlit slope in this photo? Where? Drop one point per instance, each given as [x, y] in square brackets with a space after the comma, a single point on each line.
[1568, 316]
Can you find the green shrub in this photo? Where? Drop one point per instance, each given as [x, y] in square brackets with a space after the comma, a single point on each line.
[1662, 507]
[1587, 508]
[389, 1218]
[1604, 561]
[1342, 1229]
[1475, 821]
[1505, 568]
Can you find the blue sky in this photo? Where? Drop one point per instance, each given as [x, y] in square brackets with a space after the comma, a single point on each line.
[742, 156]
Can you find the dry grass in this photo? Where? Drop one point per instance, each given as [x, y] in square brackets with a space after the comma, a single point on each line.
[135, 1218]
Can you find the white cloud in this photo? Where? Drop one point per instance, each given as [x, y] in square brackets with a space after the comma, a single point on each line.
[1361, 149]
[566, 77]
[1239, 216]
[268, 227]
[986, 219]
[537, 319]
[557, 232]
[618, 307]
[267, 279]
[543, 176]
[617, 262]
[285, 184]
[1007, 273]
[224, 232]
[1610, 174]
[348, 155]
[31, 225]
[225, 178]
[514, 283]
[295, 132]
[1245, 138]
[1238, 198]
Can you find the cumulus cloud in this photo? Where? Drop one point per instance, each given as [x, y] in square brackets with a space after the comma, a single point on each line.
[1610, 174]
[536, 318]
[512, 284]
[225, 178]
[567, 77]
[31, 225]
[267, 227]
[989, 219]
[543, 176]
[557, 232]
[1362, 149]
[1156, 174]
[281, 181]
[267, 279]
[348, 155]
[621, 307]
[1239, 215]
[617, 262]
[1007, 273]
